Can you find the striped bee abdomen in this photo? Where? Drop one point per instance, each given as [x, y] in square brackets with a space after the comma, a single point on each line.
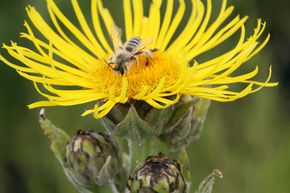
[132, 43]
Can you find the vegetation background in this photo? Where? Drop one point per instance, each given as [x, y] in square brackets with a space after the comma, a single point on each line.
[249, 140]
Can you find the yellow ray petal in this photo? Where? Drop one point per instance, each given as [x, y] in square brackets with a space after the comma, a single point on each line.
[128, 18]
[87, 30]
[138, 17]
[97, 26]
[175, 22]
[165, 23]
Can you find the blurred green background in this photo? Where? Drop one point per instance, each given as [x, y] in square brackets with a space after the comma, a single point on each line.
[249, 140]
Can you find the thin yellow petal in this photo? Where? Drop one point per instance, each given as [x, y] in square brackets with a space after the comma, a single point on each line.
[138, 17]
[175, 23]
[166, 23]
[97, 26]
[128, 18]
[87, 29]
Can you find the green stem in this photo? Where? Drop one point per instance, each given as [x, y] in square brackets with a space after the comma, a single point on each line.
[141, 149]
[102, 189]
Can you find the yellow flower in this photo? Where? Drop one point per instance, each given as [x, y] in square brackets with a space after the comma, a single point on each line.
[69, 61]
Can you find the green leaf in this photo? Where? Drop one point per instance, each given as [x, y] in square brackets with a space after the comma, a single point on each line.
[56, 136]
[133, 127]
[184, 162]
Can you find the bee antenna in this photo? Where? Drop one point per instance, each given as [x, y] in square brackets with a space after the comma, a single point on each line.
[108, 63]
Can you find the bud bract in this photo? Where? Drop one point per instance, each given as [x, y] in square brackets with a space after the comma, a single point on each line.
[92, 158]
[177, 125]
[158, 174]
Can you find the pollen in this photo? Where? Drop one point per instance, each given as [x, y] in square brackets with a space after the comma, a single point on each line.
[147, 73]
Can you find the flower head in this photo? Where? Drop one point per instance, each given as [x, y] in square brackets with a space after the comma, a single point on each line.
[92, 158]
[158, 174]
[72, 63]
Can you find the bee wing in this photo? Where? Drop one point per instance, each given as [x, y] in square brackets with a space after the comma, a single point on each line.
[143, 44]
[116, 34]
[146, 42]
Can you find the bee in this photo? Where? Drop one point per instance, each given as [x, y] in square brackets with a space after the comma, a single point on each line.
[125, 54]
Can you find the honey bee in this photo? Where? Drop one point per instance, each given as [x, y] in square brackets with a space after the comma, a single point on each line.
[125, 54]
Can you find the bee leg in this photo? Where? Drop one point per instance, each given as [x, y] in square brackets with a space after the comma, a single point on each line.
[139, 53]
[147, 58]
[149, 54]
[110, 63]
[134, 58]
[147, 61]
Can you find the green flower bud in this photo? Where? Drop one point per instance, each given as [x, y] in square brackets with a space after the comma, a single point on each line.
[188, 119]
[158, 175]
[177, 125]
[92, 158]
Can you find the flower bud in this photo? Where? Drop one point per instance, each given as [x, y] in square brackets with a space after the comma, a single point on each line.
[177, 125]
[188, 119]
[158, 174]
[92, 158]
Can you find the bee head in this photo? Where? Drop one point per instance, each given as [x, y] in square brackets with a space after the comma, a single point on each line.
[120, 69]
[119, 58]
